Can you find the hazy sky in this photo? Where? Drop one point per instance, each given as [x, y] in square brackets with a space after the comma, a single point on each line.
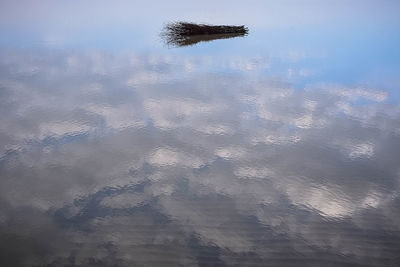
[253, 12]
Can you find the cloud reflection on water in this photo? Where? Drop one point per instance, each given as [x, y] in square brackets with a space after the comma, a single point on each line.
[146, 159]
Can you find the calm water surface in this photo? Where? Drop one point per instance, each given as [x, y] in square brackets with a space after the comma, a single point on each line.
[280, 148]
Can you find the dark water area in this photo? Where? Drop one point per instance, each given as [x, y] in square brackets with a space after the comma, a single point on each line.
[278, 148]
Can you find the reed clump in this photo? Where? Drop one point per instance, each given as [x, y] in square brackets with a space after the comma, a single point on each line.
[186, 33]
[186, 28]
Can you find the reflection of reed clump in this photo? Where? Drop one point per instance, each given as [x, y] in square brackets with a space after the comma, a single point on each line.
[184, 33]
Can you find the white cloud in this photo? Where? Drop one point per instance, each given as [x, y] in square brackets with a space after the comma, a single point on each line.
[118, 117]
[354, 94]
[167, 156]
[215, 129]
[62, 128]
[327, 200]
[253, 172]
[231, 152]
[172, 113]
[355, 149]
[277, 139]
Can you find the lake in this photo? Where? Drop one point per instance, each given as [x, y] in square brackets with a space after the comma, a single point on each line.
[277, 148]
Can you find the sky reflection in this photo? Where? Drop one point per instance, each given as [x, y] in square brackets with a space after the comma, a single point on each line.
[152, 159]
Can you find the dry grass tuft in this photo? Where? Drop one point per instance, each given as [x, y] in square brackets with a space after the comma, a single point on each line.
[185, 33]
